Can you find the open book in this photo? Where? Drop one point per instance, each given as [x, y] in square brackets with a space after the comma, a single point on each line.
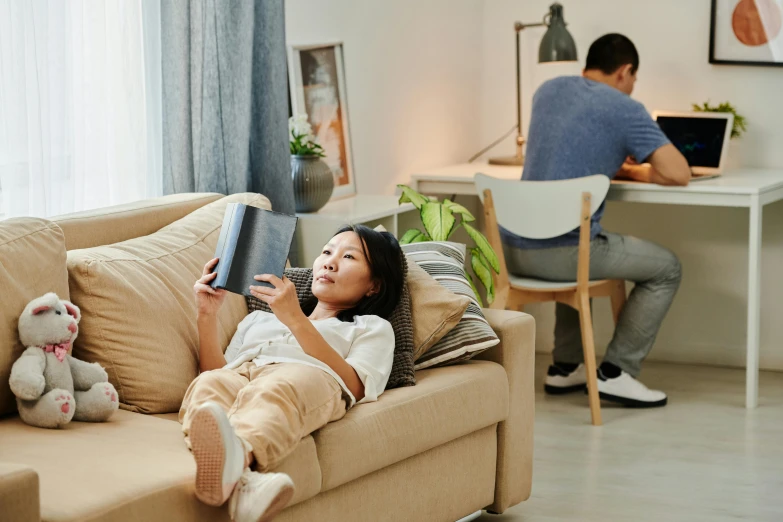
[252, 241]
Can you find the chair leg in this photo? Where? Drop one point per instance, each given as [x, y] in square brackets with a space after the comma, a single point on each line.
[588, 348]
[501, 300]
[618, 298]
[516, 300]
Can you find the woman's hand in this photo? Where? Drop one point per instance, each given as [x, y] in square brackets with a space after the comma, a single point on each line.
[208, 299]
[281, 299]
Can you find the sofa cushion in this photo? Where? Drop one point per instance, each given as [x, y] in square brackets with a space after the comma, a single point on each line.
[408, 421]
[134, 467]
[32, 263]
[445, 262]
[139, 312]
[119, 470]
[301, 465]
[435, 309]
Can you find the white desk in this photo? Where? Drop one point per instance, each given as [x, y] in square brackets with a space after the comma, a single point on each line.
[749, 188]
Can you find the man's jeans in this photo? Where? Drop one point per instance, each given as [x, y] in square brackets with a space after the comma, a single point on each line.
[655, 270]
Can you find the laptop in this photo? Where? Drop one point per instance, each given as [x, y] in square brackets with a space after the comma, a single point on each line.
[702, 137]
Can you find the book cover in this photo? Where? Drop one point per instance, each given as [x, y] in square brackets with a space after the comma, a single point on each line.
[252, 241]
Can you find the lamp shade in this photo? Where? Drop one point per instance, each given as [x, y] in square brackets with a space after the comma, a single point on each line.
[557, 45]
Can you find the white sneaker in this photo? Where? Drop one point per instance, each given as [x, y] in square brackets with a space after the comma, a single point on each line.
[629, 392]
[558, 381]
[219, 454]
[259, 497]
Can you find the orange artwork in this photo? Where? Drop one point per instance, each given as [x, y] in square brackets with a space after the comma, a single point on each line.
[756, 22]
[324, 109]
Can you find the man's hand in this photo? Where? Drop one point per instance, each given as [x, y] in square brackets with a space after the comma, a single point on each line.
[633, 171]
[676, 170]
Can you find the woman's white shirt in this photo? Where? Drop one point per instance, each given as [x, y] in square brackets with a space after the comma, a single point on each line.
[366, 343]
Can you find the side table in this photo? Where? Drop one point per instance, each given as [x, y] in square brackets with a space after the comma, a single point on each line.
[315, 229]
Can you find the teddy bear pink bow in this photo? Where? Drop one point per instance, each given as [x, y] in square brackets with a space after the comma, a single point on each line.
[60, 350]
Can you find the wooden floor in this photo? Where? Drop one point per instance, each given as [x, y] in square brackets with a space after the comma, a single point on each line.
[704, 457]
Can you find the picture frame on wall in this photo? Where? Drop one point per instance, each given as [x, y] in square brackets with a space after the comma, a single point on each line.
[317, 88]
[746, 32]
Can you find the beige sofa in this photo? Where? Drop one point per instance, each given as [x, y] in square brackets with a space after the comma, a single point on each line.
[459, 441]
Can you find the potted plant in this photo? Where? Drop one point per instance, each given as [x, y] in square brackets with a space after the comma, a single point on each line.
[740, 123]
[440, 221]
[312, 178]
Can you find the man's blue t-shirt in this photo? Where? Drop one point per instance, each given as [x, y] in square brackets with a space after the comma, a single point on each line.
[578, 128]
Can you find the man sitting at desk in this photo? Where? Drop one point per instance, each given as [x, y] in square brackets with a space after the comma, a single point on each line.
[588, 125]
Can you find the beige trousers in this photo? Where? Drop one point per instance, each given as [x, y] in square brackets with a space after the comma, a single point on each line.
[270, 407]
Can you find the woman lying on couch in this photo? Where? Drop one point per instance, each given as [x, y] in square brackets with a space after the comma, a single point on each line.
[287, 374]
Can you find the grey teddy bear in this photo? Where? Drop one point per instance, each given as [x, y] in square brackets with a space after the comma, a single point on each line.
[51, 386]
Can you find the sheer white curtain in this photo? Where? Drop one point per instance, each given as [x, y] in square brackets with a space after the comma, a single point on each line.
[80, 98]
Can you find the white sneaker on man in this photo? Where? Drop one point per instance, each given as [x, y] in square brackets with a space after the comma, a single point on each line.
[220, 455]
[259, 497]
[559, 381]
[628, 391]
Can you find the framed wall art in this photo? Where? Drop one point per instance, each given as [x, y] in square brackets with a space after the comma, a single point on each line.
[317, 84]
[746, 32]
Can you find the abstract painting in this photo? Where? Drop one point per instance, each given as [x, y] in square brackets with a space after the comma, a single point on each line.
[317, 82]
[746, 32]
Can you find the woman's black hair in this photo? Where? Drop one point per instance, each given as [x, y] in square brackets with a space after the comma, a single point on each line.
[385, 257]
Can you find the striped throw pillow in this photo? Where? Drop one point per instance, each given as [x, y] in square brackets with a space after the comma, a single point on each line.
[445, 262]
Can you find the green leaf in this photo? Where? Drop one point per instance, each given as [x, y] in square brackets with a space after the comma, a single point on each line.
[421, 239]
[491, 287]
[410, 236]
[459, 209]
[438, 220]
[473, 286]
[482, 272]
[484, 246]
[740, 124]
[411, 196]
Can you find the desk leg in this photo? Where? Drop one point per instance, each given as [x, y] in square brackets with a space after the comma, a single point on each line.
[754, 305]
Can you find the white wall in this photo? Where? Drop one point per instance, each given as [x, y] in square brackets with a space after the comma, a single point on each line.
[413, 74]
[432, 81]
[707, 322]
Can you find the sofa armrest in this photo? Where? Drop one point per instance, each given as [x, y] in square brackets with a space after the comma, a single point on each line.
[19, 499]
[516, 353]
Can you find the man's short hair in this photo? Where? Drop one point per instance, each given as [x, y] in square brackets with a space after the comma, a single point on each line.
[610, 52]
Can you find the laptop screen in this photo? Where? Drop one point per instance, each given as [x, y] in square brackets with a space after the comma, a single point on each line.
[700, 140]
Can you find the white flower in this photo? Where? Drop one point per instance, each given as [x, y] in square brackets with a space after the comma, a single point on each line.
[299, 126]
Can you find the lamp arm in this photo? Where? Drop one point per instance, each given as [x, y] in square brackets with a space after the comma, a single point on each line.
[518, 27]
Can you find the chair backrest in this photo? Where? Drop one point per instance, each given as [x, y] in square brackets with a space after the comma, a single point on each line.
[542, 209]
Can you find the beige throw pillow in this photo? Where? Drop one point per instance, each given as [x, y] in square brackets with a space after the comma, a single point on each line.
[445, 261]
[139, 312]
[435, 309]
[32, 263]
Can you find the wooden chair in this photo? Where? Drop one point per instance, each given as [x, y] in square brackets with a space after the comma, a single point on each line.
[543, 210]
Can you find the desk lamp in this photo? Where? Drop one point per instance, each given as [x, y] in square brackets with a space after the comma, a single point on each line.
[557, 45]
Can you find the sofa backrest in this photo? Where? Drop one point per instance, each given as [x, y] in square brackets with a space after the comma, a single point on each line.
[33, 255]
[138, 309]
[32, 262]
[108, 225]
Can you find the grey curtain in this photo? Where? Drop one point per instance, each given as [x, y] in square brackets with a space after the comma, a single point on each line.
[225, 99]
